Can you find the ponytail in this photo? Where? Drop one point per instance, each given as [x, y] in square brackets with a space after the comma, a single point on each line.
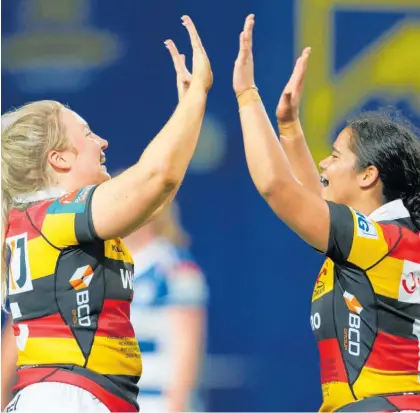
[412, 203]
[6, 205]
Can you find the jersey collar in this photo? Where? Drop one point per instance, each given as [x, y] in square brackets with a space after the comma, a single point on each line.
[48, 193]
[390, 211]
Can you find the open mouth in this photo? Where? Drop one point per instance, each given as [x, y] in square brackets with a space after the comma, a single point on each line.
[102, 160]
[324, 181]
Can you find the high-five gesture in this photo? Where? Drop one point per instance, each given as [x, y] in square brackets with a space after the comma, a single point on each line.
[183, 76]
[201, 69]
[288, 107]
[243, 74]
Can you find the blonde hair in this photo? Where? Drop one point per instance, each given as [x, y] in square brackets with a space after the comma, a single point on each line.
[168, 225]
[28, 134]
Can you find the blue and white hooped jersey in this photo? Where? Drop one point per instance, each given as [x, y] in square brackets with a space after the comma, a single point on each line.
[165, 276]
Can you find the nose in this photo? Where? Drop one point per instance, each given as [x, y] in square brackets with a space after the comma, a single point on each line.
[324, 163]
[103, 143]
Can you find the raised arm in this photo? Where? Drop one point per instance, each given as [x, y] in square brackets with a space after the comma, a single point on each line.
[301, 209]
[292, 138]
[126, 202]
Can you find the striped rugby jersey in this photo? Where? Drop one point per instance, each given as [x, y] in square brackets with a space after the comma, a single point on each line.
[366, 306]
[70, 295]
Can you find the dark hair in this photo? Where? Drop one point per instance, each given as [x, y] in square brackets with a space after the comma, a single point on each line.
[388, 141]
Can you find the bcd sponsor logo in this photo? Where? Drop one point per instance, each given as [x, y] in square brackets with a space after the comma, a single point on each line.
[409, 291]
[365, 227]
[352, 334]
[80, 281]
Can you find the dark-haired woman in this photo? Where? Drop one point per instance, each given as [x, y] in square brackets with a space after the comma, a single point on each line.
[366, 218]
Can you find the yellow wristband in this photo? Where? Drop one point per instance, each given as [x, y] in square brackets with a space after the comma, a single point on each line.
[248, 96]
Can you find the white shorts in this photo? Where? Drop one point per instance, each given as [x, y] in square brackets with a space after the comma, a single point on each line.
[54, 398]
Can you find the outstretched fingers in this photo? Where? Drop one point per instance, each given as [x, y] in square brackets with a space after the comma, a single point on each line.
[192, 31]
[178, 59]
[245, 39]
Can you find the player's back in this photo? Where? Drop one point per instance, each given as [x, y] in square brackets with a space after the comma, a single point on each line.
[70, 294]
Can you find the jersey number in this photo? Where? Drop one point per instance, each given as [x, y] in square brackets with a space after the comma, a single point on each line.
[17, 264]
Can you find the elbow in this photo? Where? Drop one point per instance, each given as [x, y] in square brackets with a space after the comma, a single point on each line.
[168, 179]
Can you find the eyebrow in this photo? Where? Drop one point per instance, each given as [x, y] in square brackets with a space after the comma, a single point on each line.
[334, 148]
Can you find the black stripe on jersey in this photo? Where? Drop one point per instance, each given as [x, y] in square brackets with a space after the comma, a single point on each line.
[370, 404]
[397, 318]
[83, 223]
[37, 303]
[80, 309]
[119, 279]
[340, 243]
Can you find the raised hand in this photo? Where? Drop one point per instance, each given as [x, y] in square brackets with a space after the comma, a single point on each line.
[243, 73]
[201, 69]
[288, 107]
[183, 76]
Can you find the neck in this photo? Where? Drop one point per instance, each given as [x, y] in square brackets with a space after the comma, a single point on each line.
[366, 207]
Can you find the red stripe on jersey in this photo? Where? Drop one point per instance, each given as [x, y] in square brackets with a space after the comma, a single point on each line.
[19, 223]
[409, 246]
[393, 353]
[52, 326]
[114, 320]
[332, 366]
[30, 376]
[405, 402]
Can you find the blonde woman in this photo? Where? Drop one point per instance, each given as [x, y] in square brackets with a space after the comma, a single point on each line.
[69, 273]
[168, 314]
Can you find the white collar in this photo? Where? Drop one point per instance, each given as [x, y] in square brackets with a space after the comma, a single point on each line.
[42, 195]
[390, 211]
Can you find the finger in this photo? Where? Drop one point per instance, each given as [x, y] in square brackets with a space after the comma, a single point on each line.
[176, 57]
[301, 70]
[248, 30]
[192, 31]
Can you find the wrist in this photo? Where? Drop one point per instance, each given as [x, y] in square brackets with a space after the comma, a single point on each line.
[290, 128]
[248, 97]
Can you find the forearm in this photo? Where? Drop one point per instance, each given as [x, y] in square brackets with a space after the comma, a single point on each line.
[293, 142]
[267, 162]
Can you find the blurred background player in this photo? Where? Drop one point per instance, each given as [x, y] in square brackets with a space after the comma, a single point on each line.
[168, 314]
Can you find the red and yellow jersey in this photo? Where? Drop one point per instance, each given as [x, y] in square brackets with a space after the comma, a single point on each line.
[366, 309]
[70, 295]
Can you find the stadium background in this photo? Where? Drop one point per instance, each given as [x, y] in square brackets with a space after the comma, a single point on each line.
[106, 59]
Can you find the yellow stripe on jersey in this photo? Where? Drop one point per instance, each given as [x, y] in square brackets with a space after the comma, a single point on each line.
[371, 240]
[117, 250]
[50, 350]
[59, 229]
[335, 394]
[386, 276]
[325, 281]
[42, 258]
[372, 382]
[115, 355]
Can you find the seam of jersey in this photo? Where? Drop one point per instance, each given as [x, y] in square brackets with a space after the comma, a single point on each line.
[389, 252]
[58, 307]
[49, 374]
[40, 232]
[336, 337]
[97, 322]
